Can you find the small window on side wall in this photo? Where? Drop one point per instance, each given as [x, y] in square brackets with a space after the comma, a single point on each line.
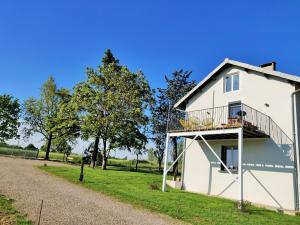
[232, 82]
[229, 156]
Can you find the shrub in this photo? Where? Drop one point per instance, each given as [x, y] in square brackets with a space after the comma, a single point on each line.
[31, 147]
[154, 186]
[244, 206]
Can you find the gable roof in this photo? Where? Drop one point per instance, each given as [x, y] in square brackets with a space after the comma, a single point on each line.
[228, 62]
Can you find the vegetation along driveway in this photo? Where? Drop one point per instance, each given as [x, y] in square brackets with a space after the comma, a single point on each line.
[64, 203]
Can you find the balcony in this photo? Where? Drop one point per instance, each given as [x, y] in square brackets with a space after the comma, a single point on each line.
[254, 123]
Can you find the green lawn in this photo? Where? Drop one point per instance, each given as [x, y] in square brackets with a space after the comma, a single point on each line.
[8, 215]
[143, 190]
[60, 156]
[120, 164]
[18, 152]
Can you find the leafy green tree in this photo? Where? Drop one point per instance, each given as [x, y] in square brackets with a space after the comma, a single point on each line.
[67, 124]
[42, 115]
[61, 145]
[150, 153]
[110, 99]
[134, 140]
[159, 121]
[177, 86]
[9, 116]
[84, 107]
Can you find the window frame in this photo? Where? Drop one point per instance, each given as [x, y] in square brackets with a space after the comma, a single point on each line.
[231, 76]
[224, 149]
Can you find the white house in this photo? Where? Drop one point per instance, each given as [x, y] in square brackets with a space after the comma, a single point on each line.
[238, 127]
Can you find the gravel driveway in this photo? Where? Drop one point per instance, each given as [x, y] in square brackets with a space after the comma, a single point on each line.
[65, 203]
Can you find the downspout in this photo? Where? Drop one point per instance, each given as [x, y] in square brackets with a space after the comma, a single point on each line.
[296, 148]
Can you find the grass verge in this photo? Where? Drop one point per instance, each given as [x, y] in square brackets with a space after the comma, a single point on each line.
[143, 190]
[8, 215]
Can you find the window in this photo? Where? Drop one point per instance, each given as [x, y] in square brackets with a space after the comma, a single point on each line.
[228, 83]
[236, 82]
[229, 156]
[232, 82]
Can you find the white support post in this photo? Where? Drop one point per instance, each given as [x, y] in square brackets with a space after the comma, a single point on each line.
[240, 167]
[181, 153]
[165, 163]
[183, 161]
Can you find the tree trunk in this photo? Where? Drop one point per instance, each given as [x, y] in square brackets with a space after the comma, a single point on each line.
[95, 151]
[136, 163]
[104, 156]
[175, 155]
[48, 146]
[81, 170]
[159, 164]
[104, 162]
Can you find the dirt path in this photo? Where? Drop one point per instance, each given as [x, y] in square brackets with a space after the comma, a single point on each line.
[65, 203]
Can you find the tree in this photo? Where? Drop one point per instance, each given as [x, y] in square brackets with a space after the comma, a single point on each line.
[44, 115]
[108, 100]
[134, 140]
[179, 81]
[150, 153]
[60, 144]
[9, 116]
[84, 107]
[177, 86]
[40, 113]
[159, 121]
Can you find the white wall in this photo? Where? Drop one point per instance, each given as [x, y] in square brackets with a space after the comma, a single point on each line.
[268, 174]
[267, 170]
[255, 91]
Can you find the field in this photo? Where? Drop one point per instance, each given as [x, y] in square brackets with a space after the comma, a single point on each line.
[8, 215]
[143, 190]
[120, 164]
[25, 153]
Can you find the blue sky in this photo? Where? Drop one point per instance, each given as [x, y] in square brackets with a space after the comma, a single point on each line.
[39, 38]
[62, 38]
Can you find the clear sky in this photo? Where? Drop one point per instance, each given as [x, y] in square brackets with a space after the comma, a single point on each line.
[62, 38]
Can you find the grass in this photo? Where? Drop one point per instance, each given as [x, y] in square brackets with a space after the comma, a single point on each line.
[119, 164]
[60, 156]
[143, 190]
[8, 215]
[18, 152]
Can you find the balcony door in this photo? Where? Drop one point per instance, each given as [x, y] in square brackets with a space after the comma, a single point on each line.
[234, 110]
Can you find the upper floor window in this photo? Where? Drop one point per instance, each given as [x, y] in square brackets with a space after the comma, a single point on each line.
[232, 82]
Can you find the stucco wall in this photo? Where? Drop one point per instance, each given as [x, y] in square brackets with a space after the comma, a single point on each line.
[267, 172]
[255, 90]
[268, 166]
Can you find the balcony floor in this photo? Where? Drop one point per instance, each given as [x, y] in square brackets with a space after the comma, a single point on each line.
[212, 133]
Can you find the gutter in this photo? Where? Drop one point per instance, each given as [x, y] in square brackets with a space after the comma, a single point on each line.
[296, 149]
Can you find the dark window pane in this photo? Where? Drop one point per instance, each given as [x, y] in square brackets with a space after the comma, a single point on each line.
[234, 110]
[228, 84]
[229, 156]
[236, 82]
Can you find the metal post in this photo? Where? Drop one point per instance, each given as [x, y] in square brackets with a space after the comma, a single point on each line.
[165, 163]
[296, 150]
[240, 167]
